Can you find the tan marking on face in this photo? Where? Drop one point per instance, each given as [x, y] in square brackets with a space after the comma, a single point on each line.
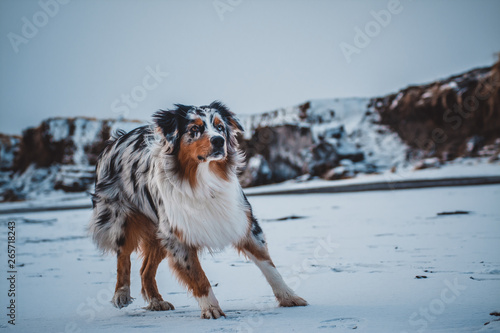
[198, 122]
[217, 122]
[188, 157]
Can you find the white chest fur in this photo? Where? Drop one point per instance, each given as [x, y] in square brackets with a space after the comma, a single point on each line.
[212, 215]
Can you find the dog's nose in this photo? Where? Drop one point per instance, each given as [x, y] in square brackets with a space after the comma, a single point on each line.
[217, 142]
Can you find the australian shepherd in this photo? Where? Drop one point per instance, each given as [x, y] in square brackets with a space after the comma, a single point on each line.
[171, 190]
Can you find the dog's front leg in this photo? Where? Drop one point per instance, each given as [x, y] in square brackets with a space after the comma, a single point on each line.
[255, 248]
[184, 262]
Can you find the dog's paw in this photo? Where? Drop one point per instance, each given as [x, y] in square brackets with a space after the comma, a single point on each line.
[156, 305]
[292, 300]
[122, 297]
[212, 312]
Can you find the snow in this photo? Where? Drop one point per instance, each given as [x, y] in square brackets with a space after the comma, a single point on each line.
[380, 146]
[51, 198]
[427, 94]
[86, 133]
[452, 85]
[331, 112]
[8, 148]
[35, 182]
[346, 111]
[58, 128]
[396, 100]
[354, 257]
[460, 168]
[356, 124]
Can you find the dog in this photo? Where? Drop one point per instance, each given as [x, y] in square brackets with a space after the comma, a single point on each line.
[170, 190]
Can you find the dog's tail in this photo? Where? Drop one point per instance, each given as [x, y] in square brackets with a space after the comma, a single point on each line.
[106, 226]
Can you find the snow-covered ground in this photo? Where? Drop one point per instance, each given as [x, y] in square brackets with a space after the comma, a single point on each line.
[459, 168]
[354, 257]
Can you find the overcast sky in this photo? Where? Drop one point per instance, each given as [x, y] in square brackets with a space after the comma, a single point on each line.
[109, 58]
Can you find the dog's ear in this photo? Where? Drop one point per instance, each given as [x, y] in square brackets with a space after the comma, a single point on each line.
[170, 123]
[228, 116]
[167, 122]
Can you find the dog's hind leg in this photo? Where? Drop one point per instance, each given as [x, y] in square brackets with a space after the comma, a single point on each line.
[109, 230]
[254, 247]
[122, 297]
[127, 243]
[185, 264]
[153, 253]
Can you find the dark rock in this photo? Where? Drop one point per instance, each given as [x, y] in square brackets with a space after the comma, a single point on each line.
[448, 118]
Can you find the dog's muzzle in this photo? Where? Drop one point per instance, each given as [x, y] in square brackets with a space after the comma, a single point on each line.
[218, 150]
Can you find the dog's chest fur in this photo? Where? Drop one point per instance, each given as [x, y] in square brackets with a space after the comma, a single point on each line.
[212, 215]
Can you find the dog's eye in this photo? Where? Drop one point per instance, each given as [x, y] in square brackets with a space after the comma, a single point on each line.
[195, 129]
[220, 128]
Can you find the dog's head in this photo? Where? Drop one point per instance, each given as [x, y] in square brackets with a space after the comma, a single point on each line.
[199, 134]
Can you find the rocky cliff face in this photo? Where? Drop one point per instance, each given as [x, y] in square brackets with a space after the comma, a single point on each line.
[59, 154]
[459, 116]
[9, 149]
[331, 138]
[67, 141]
[420, 125]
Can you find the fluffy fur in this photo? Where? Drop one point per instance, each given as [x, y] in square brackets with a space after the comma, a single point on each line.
[170, 190]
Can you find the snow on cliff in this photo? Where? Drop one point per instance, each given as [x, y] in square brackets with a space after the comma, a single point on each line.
[329, 138]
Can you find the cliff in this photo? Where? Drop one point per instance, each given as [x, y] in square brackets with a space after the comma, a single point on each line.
[419, 126]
